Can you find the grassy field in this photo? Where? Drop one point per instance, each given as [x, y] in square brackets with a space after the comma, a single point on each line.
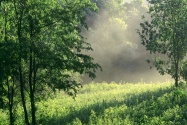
[113, 104]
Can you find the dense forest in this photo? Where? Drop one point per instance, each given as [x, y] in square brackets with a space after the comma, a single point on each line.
[100, 62]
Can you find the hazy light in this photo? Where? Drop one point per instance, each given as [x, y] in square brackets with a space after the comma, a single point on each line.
[118, 49]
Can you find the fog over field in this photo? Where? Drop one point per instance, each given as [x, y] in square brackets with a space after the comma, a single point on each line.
[117, 46]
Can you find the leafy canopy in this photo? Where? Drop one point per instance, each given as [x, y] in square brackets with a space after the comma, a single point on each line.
[41, 45]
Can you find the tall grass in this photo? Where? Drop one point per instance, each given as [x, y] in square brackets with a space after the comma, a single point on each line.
[114, 104]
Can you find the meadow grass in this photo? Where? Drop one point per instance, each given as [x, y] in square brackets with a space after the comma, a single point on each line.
[114, 104]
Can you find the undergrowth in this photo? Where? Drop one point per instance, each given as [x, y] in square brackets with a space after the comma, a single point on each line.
[111, 104]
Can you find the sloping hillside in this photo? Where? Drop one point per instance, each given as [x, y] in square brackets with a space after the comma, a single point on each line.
[109, 104]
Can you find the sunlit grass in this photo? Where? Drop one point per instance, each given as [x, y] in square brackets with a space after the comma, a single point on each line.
[112, 103]
[94, 97]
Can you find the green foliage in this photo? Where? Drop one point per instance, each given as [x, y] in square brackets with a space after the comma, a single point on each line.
[114, 14]
[122, 104]
[4, 117]
[165, 33]
[41, 45]
[51, 30]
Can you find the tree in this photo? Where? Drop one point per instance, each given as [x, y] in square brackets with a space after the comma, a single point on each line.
[8, 62]
[166, 33]
[46, 47]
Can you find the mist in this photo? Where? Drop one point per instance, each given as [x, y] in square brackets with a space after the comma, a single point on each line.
[117, 46]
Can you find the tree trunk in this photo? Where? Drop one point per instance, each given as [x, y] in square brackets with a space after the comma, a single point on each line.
[33, 111]
[19, 33]
[1, 96]
[176, 82]
[10, 102]
[11, 115]
[23, 97]
[177, 71]
[31, 84]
